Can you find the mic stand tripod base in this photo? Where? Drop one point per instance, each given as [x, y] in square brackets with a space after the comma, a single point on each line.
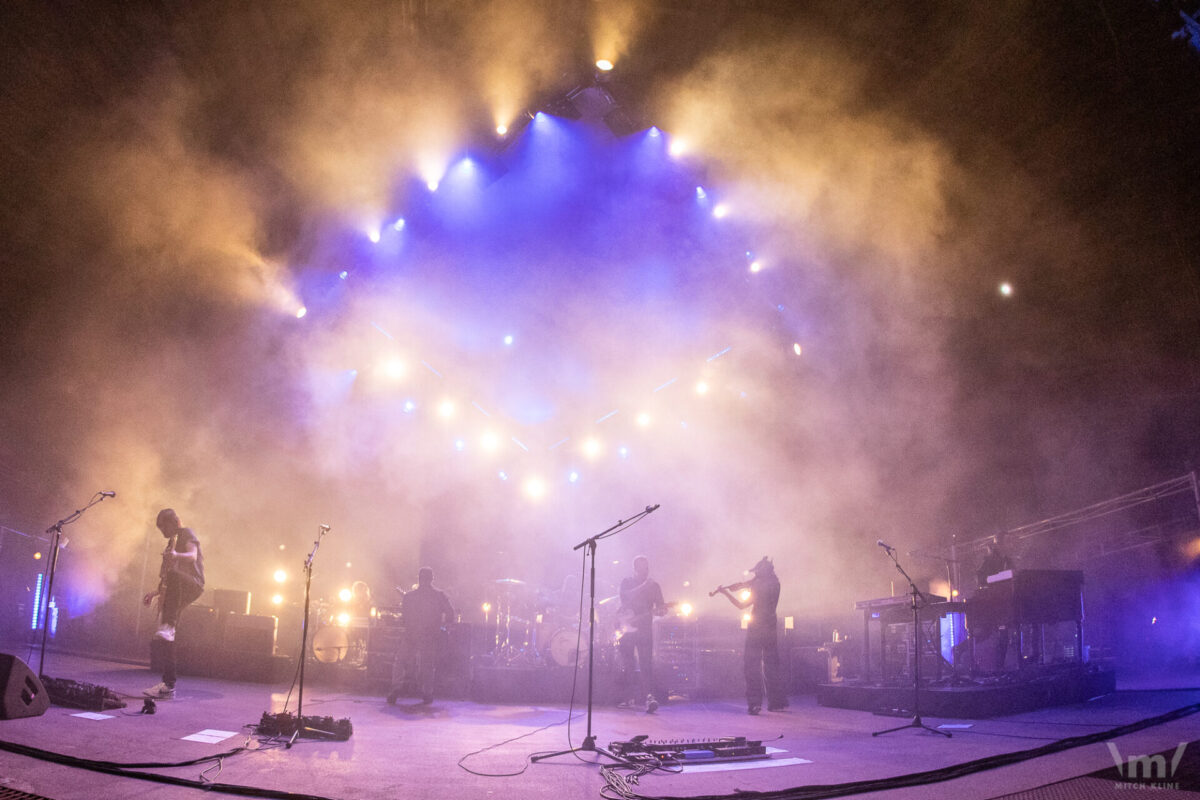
[914, 723]
[588, 745]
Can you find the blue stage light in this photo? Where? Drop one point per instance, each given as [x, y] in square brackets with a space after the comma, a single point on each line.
[573, 477]
[343, 274]
[508, 340]
[409, 406]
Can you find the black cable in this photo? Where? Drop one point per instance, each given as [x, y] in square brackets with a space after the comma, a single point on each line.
[528, 756]
[130, 771]
[817, 792]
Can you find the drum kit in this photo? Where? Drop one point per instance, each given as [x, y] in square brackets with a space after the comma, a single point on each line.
[528, 627]
[338, 639]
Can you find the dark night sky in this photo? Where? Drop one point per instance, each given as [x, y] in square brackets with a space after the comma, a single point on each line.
[170, 168]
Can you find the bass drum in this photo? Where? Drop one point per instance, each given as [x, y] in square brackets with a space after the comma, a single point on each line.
[561, 649]
[330, 644]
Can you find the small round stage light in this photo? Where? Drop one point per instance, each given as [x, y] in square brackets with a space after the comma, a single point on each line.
[283, 547]
[701, 388]
[446, 409]
[409, 406]
[37, 556]
[489, 441]
[535, 488]
[399, 224]
[592, 447]
[573, 477]
[796, 348]
[1006, 289]
[501, 129]
[344, 595]
[343, 274]
[502, 475]
[744, 595]
[604, 65]
[677, 147]
[487, 608]
[643, 419]
[374, 235]
[348, 565]
[701, 194]
[685, 609]
[460, 445]
[720, 211]
[655, 132]
[300, 312]
[393, 369]
[277, 599]
[343, 619]
[280, 576]
[756, 266]
[508, 340]
[623, 452]
[432, 185]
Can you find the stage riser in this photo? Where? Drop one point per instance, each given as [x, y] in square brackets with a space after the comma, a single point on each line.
[973, 702]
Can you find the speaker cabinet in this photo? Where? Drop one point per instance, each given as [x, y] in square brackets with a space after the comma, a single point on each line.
[21, 692]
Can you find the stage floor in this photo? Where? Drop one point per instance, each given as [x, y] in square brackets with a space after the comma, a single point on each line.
[412, 751]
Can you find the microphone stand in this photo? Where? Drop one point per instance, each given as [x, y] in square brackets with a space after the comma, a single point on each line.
[916, 601]
[589, 740]
[301, 729]
[44, 601]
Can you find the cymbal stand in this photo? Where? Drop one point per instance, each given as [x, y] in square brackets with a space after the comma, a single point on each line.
[589, 740]
[917, 599]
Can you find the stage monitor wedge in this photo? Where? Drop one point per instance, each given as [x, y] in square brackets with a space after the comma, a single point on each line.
[21, 692]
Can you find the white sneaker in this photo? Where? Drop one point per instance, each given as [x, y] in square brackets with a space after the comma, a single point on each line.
[160, 691]
[165, 632]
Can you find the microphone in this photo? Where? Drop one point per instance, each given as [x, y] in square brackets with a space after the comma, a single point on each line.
[652, 508]
[325, 528]
[885, 546]
[108, 494]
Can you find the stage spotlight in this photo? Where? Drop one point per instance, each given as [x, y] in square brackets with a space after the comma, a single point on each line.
[501, 129]
[535, 488]
[1006, 289]
[720, 211]
[701, 194]
[343, 619]
[392, 369]
[489, 441]
[460, 445]
[283, 547]
[677, 147]
[701, 388]
[604, 65]
[409, 406]
[756, 266]
[685, 609]
[623, 452]
[280, 576]
[373, 235]
[300, 312]
[446, 409]
[643, 419]
[399, 224]
[573, 477]
[277, 599]
[796, 348]
[344, 595]
[37, 556]
[502, 475]
[745, 621]
[343, 274]
[592, 447]
[508, 340]
[744, 595]
[487, 608]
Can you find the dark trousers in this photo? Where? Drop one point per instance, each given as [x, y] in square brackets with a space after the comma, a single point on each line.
[637, 660]
[177, 596]
[418, 666]
[761, 661]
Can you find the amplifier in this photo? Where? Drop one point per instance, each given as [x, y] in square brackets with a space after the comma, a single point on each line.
[231, 601]
[243, 633]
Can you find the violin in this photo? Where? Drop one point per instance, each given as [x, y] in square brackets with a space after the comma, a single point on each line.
[733, 587]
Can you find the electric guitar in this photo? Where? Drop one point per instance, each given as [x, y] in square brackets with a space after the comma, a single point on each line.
[163, 571]
[626, 616]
